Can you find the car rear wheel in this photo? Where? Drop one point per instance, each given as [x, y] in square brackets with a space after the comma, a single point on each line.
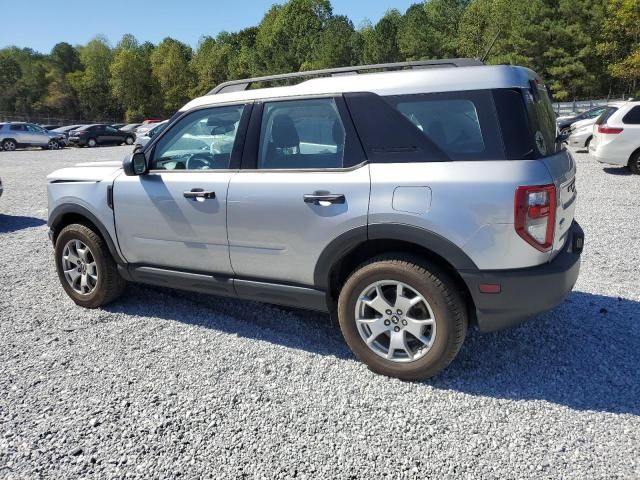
[587, 143]
[129, 140]
[87, 271]
[9, 145]
[634, 163]
[92, 142]
[402, 317]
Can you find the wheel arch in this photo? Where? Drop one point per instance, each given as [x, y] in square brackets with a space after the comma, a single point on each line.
[633, 154]
[69, 213]
[355, 247]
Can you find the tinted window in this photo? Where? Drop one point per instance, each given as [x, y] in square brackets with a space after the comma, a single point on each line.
[461, 124]
[301, 134]
[632, 117]
[514, 124]
[19, 128]
[201, 140]
[605, 115]
[541, 120]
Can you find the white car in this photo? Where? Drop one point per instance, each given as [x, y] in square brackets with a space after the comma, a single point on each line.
[616, 136]
[143, 138]
[581, 132]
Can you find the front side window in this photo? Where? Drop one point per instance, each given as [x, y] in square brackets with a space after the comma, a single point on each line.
[201, 140]
[301, 134]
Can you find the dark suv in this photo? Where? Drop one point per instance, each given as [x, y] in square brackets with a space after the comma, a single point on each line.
[100, 134]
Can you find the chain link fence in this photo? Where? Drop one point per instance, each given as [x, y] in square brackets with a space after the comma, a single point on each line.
[579, 106]
[44, 119]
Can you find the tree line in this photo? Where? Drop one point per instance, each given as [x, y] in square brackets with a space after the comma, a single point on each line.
[583, 48]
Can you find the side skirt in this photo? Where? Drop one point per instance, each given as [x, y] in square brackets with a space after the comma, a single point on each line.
[260, 291]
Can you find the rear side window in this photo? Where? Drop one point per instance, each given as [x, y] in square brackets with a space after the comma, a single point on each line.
[632, 117]
[428, 127]
[19, 128]
[514, 123]
[541, 120]
[602, 119]
[301, 134]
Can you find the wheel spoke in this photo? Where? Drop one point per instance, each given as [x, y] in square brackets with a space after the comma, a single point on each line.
[376, 326]
[72, 258]
[416, 328]
[398, 342]
[379, 303]
[73, 274]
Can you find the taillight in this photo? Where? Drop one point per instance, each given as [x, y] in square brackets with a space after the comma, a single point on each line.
[610, 130]
[535, 215]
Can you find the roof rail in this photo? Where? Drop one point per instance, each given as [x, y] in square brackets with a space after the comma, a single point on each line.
[241, 85]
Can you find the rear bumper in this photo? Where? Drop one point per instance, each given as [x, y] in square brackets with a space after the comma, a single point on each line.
[528, 291]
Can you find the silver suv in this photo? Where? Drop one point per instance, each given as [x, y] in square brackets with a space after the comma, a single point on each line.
[410, 203]
[20, 134]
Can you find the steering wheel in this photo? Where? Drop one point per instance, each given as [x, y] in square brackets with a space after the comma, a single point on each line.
[200, 161]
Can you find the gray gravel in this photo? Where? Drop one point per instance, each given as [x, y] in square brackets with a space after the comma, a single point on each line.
[165, 384]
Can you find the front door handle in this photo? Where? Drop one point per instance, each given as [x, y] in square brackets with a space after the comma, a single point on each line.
[319, 198]
[199, 194]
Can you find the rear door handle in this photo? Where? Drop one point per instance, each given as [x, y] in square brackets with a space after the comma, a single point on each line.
[317, 198]
[199, 193]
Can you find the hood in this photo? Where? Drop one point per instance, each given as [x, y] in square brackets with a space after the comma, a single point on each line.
[583, 123]
[86, 172]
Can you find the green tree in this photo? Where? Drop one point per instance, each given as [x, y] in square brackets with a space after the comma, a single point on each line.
[380, 43]
[10, 74]
[338, 45]
[170, 67]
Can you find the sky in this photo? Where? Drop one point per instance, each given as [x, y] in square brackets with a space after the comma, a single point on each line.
[76, 22]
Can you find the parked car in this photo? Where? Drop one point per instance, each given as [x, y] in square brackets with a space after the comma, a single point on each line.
[118, 126]
[580, 133]
[147, 122]
[21, 135]
[49, 127]
[64, 132]
[100, 134]
[564, 122]
[411, 204]
[616, 137]
[145, 128]
[142, 140]
[131, 127]
[1, 188]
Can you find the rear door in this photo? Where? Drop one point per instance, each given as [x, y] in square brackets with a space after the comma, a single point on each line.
[176, 215]
[304, 183]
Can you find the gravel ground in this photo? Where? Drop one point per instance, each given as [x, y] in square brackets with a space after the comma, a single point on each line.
[165, 384]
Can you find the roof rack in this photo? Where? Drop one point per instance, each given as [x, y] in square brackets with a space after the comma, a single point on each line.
[241, 85]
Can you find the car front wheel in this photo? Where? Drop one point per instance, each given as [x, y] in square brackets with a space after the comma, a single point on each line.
[92, 142]
[129, 140]
[53, 145]
[88, 273]
[402, 317]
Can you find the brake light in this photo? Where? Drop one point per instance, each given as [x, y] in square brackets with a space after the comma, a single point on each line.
[610, 130]
[535, 215]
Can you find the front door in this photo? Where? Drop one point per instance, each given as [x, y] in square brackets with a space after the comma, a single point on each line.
[307, 185]
[175, 216]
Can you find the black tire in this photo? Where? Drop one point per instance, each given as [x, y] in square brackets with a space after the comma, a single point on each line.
[435, 286]
[129, 140]
[109, 285]
[9, 145]
[634, 163]
[587, 143]
[53, 145]
[92, 142]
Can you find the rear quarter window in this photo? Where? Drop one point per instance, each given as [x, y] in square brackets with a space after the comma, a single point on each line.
[632, 117]
[606, 115]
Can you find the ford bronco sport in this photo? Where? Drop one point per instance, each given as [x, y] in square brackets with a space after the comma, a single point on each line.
[411, 202]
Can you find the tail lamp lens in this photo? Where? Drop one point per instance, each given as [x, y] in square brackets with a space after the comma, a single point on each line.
[609, 130]
[535, 219]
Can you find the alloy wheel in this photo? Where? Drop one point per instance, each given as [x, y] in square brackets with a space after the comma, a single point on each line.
[79, 267]
[395, 321]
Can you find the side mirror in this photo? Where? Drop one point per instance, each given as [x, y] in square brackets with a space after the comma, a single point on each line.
[135, 164]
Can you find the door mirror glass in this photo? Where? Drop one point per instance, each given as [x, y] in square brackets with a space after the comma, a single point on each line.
[135, 164]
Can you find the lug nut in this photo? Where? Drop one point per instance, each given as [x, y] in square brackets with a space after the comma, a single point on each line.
[394, 319]
[399, 312]
[389, 312]
[387, 323]
[404, 322]
[396, 329]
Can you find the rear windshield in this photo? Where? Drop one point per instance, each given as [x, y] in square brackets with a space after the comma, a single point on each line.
[605, 115]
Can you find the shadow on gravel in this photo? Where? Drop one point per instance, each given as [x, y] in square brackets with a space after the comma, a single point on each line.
[584, 354]
[11, 223]
[620, 171]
